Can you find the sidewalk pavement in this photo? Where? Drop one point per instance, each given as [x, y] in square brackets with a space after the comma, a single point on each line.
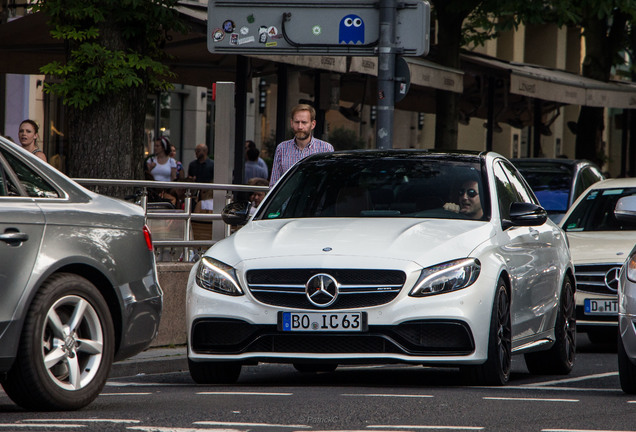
[152, 360]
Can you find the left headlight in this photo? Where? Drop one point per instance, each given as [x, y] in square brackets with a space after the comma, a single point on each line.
[216, 276]
[630, 268]
[447, 277]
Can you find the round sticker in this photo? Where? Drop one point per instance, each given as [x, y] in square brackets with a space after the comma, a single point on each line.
[218, 35]
[316, 30]
[228, 26]
[244, 30]
[272, 31]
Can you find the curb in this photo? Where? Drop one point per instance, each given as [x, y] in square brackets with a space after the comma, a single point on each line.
[152, 361]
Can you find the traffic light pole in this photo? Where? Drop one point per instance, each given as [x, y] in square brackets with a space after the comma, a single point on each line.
[386, 74]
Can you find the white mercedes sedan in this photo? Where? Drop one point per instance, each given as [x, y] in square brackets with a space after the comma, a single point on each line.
[379, 257]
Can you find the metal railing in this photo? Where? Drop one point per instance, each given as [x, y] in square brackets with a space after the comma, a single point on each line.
[153, 211]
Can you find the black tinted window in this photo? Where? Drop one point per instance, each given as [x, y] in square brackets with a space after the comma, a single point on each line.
[596, 211]
[373, 187]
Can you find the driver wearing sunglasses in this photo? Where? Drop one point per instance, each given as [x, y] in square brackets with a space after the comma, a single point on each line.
[468, 202]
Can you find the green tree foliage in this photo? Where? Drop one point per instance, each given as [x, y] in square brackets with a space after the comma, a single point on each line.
[113, 59]
[113, 45]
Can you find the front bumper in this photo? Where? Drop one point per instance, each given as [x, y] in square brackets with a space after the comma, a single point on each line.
[451, 328]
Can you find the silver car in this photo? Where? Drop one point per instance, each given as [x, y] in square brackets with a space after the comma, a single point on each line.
[78, 281]
[626, 212]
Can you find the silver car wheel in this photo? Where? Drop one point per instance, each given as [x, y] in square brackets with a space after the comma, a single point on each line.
[72, 342]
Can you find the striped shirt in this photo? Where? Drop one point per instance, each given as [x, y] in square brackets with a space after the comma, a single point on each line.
[288, 153]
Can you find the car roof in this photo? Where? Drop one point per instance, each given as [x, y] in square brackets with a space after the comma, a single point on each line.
[615, 183]
[400, 153]
[546, 164]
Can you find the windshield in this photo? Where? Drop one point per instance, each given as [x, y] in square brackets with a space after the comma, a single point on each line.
[596, 211]
[552, 188]
[375, 187]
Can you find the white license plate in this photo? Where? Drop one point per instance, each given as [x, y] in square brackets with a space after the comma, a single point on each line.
[323, 321]
[601, 307]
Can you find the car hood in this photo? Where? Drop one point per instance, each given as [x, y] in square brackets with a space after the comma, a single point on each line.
[600, 247]
[423, 241]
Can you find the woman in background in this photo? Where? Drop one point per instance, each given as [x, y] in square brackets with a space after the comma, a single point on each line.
[28, 137]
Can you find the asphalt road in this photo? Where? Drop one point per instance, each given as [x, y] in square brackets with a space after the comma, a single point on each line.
[372, 398]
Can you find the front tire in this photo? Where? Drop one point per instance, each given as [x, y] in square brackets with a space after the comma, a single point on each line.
[496, 370]
[214, 372]
[626, 369]
[559, 359]
[66, 347]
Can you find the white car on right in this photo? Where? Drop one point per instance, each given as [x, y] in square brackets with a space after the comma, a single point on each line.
[599, 244]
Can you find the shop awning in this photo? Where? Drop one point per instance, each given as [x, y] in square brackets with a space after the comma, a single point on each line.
[556, 85]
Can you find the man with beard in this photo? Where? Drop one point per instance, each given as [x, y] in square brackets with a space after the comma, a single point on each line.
[303, 122]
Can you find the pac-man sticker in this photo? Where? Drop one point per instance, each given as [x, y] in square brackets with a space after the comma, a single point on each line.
[218, 35]
[228, 26]
[351, 30]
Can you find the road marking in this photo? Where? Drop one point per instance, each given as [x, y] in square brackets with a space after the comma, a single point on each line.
[570, 380]
[245, 393]
[138, 384]
[387, 395]
[426, 427]
[125, 394]
[177, 429]
[89, 420]
[213, 423]
[43, 425]
[581, 430]
[530, 399]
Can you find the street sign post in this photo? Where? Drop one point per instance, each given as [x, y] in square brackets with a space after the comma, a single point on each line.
[331, 27]
[384, 28]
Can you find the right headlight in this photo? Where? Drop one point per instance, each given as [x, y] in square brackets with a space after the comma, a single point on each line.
[447, 277]
[216, 276]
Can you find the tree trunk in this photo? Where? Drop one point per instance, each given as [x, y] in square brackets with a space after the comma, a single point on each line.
[450, 19]
[601, 45]
[107, 137]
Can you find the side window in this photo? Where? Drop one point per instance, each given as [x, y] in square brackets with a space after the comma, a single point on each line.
[32, 182]
[523, 192]
[8, 187]
[506, 192]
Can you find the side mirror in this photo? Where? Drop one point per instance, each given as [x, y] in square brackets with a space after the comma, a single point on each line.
[236, 213]
[526, 214]
[625, 210]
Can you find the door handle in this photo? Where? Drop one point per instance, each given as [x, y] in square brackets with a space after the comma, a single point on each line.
[14, 237]
[534, 233]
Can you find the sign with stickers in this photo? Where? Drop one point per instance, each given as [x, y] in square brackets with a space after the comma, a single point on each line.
[333, 27]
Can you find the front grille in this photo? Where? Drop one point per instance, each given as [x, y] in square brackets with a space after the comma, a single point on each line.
[358, 288]
[225, 336]
[591, 278]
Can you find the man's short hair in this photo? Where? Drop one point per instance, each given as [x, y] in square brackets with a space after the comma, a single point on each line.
[304, 107]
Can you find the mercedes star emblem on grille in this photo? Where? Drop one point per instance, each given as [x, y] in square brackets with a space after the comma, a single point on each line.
[321, 290]
[611, 278]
